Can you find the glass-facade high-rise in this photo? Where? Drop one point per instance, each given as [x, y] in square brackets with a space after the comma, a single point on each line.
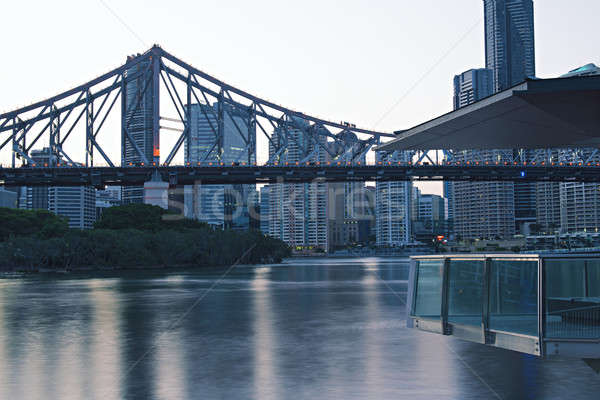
[509, 41]
[299, 211]
[139, 122]
[224, 206]
[472, 85]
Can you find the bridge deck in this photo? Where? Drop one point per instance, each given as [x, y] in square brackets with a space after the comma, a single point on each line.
[187, 175]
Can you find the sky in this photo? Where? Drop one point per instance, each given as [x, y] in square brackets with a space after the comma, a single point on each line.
[380, 64]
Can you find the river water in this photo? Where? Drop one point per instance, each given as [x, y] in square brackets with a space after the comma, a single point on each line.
[305, 329]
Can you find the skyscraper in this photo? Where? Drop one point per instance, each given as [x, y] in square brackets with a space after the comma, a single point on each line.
[139, 97]
[392, 210]
[224, 206]
[510, 59]
[299, 211]
[472, 85]
[265, 209]
[509, 41]
[478, 210]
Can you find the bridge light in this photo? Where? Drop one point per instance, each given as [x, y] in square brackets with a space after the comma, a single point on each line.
[287, 163]
[318, 162]
[210, 164]
[199, 163]
[522, 174]
[297, 163]
[142, 164]
[328, 162]
[358, 163]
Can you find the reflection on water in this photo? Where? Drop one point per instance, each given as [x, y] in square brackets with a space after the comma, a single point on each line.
[305, 329]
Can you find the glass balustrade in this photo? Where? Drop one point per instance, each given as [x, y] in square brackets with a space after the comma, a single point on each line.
[528, 303]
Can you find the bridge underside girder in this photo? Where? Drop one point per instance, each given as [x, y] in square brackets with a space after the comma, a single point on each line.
[179, 175]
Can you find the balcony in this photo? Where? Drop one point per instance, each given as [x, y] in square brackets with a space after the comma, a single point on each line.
[543, 305]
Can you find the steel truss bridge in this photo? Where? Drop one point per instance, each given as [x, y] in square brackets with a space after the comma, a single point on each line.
[88, 130]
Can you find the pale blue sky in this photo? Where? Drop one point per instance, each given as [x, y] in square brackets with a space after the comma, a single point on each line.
[343, 60]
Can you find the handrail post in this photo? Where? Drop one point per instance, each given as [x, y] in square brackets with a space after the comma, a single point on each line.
[445, 289]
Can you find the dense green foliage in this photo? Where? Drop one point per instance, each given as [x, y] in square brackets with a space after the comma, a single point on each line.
[127, 237]
[39, 223]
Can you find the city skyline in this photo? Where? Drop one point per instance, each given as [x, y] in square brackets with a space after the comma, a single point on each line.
[342, 95]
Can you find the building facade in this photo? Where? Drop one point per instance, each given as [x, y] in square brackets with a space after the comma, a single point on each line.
[393, 210]
[76, 203]
[579, 203]
[139, 101]
[472, 85]
[299, 212]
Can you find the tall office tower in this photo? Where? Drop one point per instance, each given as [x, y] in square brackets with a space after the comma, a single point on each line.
[139, 98]
[471, 86]
[265, 210]
[299, 211]
[223, 206]
[78, 203]
[510, 55]
[392, 210]
[509, 41]
[479, 210]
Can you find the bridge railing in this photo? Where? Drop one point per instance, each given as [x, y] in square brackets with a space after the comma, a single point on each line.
[537, 304]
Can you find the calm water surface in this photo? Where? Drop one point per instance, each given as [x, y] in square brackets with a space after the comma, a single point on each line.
[307, 329]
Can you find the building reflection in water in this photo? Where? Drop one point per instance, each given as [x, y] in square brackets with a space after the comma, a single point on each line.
[265, 365]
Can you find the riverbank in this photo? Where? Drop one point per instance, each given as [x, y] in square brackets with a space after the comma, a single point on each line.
[128, 237]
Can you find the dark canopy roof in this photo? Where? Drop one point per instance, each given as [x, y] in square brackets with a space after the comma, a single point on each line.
[539, 113]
